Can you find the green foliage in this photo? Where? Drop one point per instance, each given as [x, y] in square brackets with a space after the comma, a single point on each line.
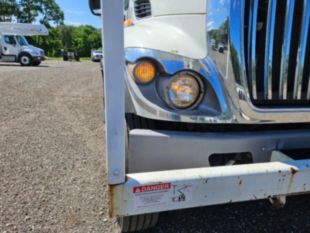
[51, 12]
[83, 38]
[28, 11]
[86, 38]
[51, 44]
[8, 10]
[220, 34]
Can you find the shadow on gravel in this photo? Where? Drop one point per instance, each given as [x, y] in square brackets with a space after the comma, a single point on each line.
[254, 217]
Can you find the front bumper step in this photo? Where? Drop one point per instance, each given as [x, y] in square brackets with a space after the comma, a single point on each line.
[180, 189]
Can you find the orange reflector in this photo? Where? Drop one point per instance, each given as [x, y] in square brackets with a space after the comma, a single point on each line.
[128, 23]
[144, 72]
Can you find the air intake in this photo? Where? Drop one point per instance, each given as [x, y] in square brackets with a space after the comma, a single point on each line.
[143, 9]
[277, 51]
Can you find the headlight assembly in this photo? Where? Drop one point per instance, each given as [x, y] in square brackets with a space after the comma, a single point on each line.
[184, 90]
[33, 53]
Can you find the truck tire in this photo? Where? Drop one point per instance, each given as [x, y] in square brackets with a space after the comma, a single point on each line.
[137, 223]
[25, 59]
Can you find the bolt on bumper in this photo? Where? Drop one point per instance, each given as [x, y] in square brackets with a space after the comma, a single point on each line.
[153, 192]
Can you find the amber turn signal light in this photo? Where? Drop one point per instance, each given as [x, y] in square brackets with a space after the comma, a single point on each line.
[144, 72]
[128, 23]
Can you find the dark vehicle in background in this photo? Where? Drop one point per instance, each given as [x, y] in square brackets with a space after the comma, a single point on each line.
[70, 55]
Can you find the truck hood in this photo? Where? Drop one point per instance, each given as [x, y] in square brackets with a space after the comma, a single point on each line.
[32, 50]
[178, 7]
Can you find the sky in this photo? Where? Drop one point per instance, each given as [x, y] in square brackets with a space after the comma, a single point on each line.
[219, 13]
[77, 13]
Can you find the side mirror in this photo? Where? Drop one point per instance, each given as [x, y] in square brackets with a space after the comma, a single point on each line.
[95, 7]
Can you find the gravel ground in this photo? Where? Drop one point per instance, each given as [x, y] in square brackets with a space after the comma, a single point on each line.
[52, 168]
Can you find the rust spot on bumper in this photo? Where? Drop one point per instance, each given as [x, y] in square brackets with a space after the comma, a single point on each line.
[293, 171]
[112, 201]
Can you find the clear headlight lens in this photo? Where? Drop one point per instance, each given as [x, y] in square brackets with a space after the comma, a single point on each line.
[184, 91]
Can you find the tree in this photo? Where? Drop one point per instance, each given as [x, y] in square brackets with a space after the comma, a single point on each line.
[30, 10]
[66, 35]
[85, 39]
[51, 44]
[51, 12]
[8, 10]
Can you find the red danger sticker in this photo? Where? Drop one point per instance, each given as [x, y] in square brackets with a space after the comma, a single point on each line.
[152, 188]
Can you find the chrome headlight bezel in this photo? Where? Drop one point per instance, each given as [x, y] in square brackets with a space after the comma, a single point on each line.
[151, 100]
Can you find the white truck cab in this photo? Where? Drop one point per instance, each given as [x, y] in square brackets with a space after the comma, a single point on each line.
[216, 107]
[14, 47]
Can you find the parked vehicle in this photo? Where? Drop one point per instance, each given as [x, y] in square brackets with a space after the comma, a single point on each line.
[96, 55]
[14, 47]
[70, 55]
[221, 48]
[203, 128]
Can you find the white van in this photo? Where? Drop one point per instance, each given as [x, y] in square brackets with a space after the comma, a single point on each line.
[14, 47]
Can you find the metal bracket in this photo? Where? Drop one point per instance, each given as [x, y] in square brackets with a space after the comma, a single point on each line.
[278, 201]
[114, 85]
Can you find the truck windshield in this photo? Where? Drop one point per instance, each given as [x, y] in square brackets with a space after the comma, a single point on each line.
[22, 40]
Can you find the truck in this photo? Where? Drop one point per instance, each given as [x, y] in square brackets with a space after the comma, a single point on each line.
[14, 47]
[96, 55]
[190, 126]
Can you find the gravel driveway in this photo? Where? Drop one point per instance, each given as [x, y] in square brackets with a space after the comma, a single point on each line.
[52, 168]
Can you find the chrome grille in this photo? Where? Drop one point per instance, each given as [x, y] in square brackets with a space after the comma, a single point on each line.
[277, 51]
[143, 8]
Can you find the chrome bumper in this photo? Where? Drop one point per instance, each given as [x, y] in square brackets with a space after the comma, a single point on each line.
[182, 150]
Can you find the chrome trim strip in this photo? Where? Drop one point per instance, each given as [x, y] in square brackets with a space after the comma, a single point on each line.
[289, 16]
[252, 45]
[302, 49]
[272, 10]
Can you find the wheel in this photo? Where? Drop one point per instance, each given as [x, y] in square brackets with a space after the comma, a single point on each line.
[37, 63]
[138, 222]
[25, 60]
